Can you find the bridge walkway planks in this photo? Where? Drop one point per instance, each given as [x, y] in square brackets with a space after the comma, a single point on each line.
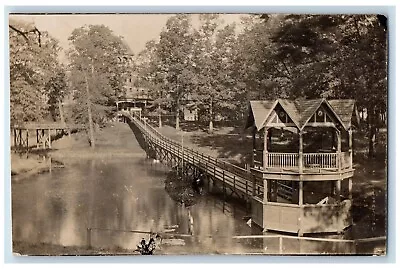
[235, 178]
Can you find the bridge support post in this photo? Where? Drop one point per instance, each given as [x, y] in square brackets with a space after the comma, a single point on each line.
[223, 184]
[27, 140]
[15, 139]
[49, 130]
[37, 139]
[254, 191]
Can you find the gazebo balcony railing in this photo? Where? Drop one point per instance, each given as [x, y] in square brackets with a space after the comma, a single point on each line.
[275, 160]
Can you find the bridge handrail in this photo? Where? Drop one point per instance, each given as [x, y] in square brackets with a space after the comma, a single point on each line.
[234, 169]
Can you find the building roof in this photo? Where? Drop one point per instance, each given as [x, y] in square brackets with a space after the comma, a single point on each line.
[300, 111]
[345, 108]
[260, 111]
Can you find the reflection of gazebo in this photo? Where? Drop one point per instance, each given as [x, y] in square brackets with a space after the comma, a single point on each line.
[302, 155]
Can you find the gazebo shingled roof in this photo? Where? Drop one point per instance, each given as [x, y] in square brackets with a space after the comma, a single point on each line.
[261, 110]
[300, 111]
[345, 109]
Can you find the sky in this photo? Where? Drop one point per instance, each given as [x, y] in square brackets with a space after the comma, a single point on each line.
[136, 29]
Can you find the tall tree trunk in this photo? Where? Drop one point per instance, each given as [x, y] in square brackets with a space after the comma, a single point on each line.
[372, 140]
[211, 126]
[373, 130]
[62, 117]
[159, 117]
[60, 110]
[89, 109]
[177, 116]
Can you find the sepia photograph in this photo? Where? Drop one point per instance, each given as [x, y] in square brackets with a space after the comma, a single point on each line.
[198, 134]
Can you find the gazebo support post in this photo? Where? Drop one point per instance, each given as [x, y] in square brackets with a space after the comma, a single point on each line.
[339, 163]
[254, 145]
[266, 190]
[351, 147]
[265, 151]
[300, 152]
[301, 196]
[270, 140]
[301, 192]
[350, 188]
[300, 230]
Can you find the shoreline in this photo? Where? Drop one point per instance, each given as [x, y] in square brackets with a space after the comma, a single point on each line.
[114, 141]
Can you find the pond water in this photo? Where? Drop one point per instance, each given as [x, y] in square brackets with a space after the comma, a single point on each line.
[119, 194]
[113, 196]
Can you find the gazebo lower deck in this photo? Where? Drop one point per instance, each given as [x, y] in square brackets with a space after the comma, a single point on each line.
[304, 190]
[302, 219]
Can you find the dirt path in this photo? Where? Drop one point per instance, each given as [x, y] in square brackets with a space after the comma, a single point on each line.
[225, 143]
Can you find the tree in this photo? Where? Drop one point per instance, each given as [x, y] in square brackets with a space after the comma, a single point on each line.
[33, 63]
[97, 75]
[364, 59]
[150, 77]
[258, 75]
[57, 89]
[214, 60]
[174, 66]
[337, 56]
[311, 56]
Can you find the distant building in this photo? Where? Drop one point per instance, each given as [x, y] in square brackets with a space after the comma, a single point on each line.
[127, 61]
[135, 99]
[190, 112]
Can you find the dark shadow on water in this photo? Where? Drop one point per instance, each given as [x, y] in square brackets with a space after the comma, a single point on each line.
[184, 189]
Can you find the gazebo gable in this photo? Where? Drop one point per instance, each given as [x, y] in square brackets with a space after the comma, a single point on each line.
[259, 112]
[302, 113]
[320, 114]
[280, 116]
[346, 109]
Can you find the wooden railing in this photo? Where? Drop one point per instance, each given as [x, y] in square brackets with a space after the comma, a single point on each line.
[230, 175]
[277, 243]
[310, 160]
[320, 160]
[282, 159]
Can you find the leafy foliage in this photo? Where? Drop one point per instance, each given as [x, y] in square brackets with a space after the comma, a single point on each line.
[310, 56]
[214, 59]
[94, 63]
[274, 56]
[33, 67]
[172, 69]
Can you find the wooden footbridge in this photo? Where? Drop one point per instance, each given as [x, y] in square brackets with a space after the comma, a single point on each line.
[234, 180]
[303, 188]
[43, 133]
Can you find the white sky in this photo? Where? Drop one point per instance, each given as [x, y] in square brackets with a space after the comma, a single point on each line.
[136, 29]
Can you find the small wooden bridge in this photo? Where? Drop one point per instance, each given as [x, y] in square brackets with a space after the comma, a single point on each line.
[42, 131]
[234, 180]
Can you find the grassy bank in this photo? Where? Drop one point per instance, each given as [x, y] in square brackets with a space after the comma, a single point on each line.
[116, 140]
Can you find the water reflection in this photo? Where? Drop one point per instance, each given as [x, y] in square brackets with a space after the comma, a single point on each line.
[119, 195]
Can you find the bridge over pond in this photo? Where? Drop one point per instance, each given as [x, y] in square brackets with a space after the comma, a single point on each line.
[303, 191]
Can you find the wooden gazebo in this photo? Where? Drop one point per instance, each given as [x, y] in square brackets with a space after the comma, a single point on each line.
[302, 162]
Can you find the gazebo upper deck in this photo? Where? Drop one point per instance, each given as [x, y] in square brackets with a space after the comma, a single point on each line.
[315, 143]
